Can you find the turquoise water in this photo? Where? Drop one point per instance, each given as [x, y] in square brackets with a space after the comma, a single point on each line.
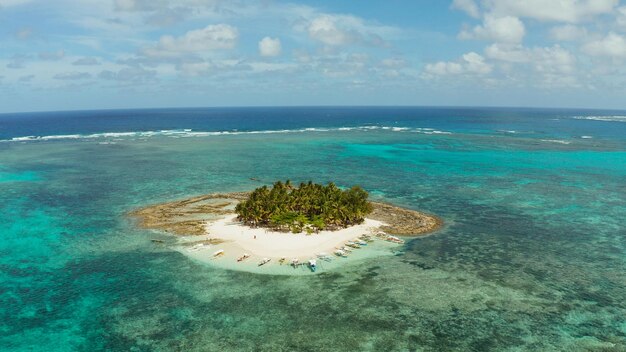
[532, 257]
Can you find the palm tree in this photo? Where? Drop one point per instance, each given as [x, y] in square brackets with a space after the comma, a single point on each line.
[307, 206]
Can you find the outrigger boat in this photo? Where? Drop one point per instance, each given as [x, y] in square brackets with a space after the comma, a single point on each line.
[352, 244]
[382, 235]
[341, 253]
[360, 242]
[324, 257]
[295, 262]
[195, 247]
[264, 261]
[394, 239]
[312, 265]
[218, 253]
[366, 238]
[243, 257]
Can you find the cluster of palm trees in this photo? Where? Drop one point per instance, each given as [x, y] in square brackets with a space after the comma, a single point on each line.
[310, 207]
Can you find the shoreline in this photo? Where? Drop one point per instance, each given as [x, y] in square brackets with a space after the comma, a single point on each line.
[189, 216]
[273, 244]
[235, 239]
[207, 224]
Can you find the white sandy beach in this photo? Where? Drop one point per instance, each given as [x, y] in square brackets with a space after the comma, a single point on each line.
[273, 244]
[239, 239]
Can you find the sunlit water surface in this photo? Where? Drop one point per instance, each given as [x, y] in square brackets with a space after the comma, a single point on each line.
[532, 257]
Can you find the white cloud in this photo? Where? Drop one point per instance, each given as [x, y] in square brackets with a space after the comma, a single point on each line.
[570, 11]
[544, 67]
[343, 66]
[612, 45]
[470, 63]
[513, 65]
[210, 38]
[169, 12]
[507, 53]
[270, 47]
[340, 30]
[551, 60]
[568, 32]
[326, 30]
[505, 29]
[476, 64]
[467, 6]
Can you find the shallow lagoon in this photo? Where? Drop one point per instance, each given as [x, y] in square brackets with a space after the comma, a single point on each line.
[532, 256]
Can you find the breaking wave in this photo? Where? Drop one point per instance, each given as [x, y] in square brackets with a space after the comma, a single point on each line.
[188, 133]
[614, 118]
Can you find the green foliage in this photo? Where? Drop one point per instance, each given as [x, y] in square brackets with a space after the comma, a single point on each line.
[307, 207]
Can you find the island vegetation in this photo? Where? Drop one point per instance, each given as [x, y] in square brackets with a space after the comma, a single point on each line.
[308, 207]
[190, 216]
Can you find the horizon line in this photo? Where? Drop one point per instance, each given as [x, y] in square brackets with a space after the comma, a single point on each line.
[315, 106]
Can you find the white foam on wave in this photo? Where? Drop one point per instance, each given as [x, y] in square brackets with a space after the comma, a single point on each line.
[437, 132]
[188, 133]
[560, 141]
[613, 118]
[23, 139]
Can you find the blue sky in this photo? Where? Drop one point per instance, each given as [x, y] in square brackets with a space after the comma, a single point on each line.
[104, 54]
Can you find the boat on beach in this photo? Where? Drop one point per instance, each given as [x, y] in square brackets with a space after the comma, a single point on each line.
[353, 245]
[196, 247]
[243, 257]
[389, 238]
[367, 238]
[341, 253]
[295, 262]
[218, 253]
[264, 261]
[395, 239]
[325, 257]
[382, 235]
[313, 265]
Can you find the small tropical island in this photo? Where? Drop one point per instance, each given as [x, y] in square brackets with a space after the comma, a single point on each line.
[284, 226]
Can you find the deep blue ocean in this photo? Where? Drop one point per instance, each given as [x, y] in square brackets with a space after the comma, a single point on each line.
[532, 256]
